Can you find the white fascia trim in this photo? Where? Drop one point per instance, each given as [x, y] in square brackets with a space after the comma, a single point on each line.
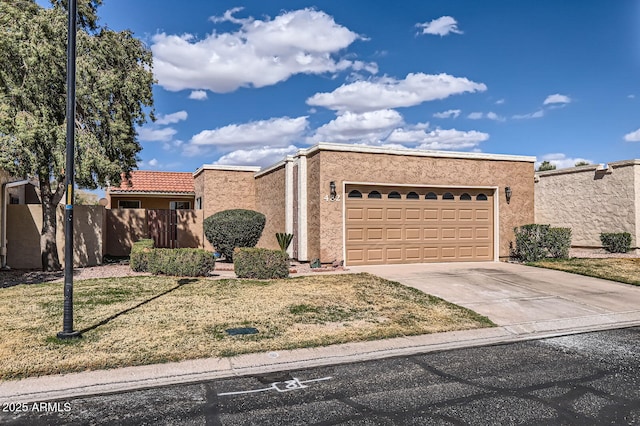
[326, 146]
[273, 167]
[226, 168]
[288, 201]
[302, 210]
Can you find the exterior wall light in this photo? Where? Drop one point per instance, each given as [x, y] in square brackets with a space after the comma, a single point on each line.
[332, 190]
[507, 193]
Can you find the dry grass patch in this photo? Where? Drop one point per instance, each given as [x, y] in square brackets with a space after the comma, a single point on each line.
[145, 320]
[624, 270]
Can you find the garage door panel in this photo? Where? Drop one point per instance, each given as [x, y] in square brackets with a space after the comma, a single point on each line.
[394, 234]
[374, 213]
[412, 214]
[394, 254]
[394, 214]
[355, 234]
[355, 213]
[382, 230]
[374, 234]
[412, 234]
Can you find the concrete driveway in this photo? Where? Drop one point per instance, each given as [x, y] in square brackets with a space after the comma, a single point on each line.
[521, 298]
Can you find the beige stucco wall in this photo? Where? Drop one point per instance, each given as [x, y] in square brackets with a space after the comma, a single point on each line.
[325, 217]
[270, 201]
[123, 228]
[314, 219]
[24, 223]
[225, 189]
[591, 201]
[190, 230]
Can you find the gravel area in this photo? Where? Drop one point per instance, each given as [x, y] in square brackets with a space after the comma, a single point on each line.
[13, 277]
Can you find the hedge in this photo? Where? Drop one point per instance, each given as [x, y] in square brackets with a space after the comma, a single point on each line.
[535, 242]
[183, 262]
[260, 263]
[229, 229]
[616, 242]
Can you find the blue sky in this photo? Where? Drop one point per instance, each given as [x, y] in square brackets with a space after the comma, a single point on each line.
[247, 82]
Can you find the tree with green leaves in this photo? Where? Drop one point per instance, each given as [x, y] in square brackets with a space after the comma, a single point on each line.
[582, 163]
[114, 82]
[545, 165]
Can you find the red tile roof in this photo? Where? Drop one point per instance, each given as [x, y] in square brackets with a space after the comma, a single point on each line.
[148, 181]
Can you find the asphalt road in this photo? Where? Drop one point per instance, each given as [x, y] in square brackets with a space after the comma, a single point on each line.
[582, 379]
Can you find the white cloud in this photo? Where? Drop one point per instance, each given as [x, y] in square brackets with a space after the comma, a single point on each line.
[386, 92]
[448, 114]
[153, 162]
[441, 26]
[275, 132]
[260, 53]
[172, 118]
[536, 114]
[264, 156]
[148, 134]
[370, 127]
[446, 139]
[475, 116]
[495, 117]
[198, 95]
[561, 161]
[557, 99]
[500, 101]
[633, 136]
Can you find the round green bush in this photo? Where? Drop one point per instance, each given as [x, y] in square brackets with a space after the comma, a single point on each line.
[229, 229]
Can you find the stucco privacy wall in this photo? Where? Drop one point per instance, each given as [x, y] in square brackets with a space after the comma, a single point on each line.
[326, 229]
[590, 200]
[24, 223]
[270, 201]
[126, 226]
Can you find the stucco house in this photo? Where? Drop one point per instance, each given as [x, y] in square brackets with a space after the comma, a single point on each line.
[152, 190]
[375, 205]
[590, 200]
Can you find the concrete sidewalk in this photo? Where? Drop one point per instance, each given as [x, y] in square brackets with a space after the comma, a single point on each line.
[526, 303]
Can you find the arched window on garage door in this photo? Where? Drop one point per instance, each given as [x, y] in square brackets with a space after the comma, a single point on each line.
[465, 197]
[448, 196]
[394, 195]
[481, 197]
[413, 196]
[355, 194]
[374, 194]
[431, 196]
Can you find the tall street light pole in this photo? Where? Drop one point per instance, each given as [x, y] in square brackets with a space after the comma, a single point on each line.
[67, 323]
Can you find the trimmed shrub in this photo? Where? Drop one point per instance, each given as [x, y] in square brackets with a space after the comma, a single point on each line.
[260, 263]
[558, 242]
[229, 229]
[616, 242]
[139, 259]
[183, 262]
[530, 242]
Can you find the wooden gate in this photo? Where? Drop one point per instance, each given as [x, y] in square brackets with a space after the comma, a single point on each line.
[163, 228]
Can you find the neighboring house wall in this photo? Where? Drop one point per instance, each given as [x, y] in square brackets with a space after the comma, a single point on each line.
[326, 218]
[270, 201]
[24, 223]
[150, 201]
[591, 200]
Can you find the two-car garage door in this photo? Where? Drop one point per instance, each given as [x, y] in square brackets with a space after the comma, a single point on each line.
[386, 224]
